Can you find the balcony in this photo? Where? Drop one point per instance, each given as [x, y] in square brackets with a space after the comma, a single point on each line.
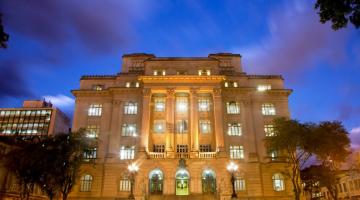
[157, 155]
[207, 154]
[182, 155]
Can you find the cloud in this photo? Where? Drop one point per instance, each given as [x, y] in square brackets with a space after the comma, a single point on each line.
[355, 137]
[60, 100]
[296, 40]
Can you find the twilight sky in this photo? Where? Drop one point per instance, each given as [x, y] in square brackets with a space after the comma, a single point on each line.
[53, 43]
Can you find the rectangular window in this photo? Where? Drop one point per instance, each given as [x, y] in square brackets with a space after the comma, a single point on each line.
[124, 185]
[181, 148]
[92, 131]
[129, 130]
[159, 73]
[181, 126]
[95, 110]
[273, 154]
[205, 126]
[159, 148]
[205, 147]
[89, 154]
[269, 130]
[130, 108]
[263, 87]
[232, 107]
[204, 105]
[236, 152]
[239, 184]
[159, 105]
[203, 72]
[127, 153]
[234, 129]
[98, 87]
[268, 109]
[128, 84]
[159, 126]
[181, 104]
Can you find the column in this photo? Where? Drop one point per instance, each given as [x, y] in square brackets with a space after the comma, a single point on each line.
[194, 120]
[145, 120]
[170, 111]
[218, 118]
[115, 131]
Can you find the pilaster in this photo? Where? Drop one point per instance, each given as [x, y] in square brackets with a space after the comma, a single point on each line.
[170, 109]
[145, 120]
[194, 122]
[218, 118]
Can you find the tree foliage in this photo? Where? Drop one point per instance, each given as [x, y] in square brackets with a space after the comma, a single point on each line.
[339, 12]
[4, 37]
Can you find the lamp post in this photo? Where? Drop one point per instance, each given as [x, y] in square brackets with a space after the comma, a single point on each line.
[232, 167]
[133, 168]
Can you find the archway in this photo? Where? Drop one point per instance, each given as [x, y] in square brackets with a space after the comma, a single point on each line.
[182, 180]
[156, 178]
[208, 180]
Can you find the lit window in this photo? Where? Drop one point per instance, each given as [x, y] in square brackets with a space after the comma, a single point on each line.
[128, 84]
[268, 109]
[226, 84]
[124, 185]
[89, 154]
[262, 88]
[202, 72]
[232, 107]
[235, 84]
[130, 108]
[159, 104]
[204, 105]
[159, 148]
[236, 152]
[278, 182]
[95, 110]
[273, 154]
[234, 129]
[239, 184]
[205, 126]
[181, 126]
[181, 104]
[137, 84]
[159, 126]
[92, 131]
[98, 87]
[85, 183]
[208, 72]
[127, 153]
[269, 130]
[205, 147]
[159, 73]
[128, 130]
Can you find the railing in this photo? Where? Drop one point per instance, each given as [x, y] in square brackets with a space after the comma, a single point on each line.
[157, 154]
[182, 155]
[207, 154]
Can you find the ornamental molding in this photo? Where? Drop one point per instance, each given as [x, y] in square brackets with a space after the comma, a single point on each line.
[181, 79]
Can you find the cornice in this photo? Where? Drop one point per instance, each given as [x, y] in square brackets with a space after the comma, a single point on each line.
[181, 79]
[107, 92]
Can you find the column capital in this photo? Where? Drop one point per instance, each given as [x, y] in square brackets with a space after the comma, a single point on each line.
[217, 92]
[193, 91]
[146, 92]
[170, 92]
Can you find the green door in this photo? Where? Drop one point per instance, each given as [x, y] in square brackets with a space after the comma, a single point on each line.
[182, 186]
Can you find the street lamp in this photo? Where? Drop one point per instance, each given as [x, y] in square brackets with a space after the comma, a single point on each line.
[232, 168]
[133, 168]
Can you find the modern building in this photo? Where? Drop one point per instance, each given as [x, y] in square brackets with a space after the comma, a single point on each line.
[174, 124]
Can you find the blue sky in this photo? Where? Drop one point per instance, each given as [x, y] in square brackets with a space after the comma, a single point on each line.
[53, 43]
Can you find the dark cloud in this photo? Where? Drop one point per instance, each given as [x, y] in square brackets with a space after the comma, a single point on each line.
[12, 82]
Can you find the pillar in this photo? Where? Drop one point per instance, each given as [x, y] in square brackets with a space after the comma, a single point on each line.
[218, 118]
[170, 111]
[194, 121]
[145, 120]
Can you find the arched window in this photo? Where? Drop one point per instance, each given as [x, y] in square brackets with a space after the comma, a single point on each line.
[156, 178]
[85, 183]
[208, 181]
[278, 182]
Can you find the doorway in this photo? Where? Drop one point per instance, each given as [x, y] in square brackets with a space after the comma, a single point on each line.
[182, 182]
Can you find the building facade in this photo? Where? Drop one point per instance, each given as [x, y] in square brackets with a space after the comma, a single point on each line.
[181, 121]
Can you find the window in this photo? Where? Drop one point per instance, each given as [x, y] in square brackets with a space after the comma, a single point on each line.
[264, 87]
[85, 183]
[231, 84]
[89, 154]
[205, 126]
[160, 148]
[130, 108]
[159, 73]
[234, 129]
[278, 182]
[127, 153]
[128, 130]
[182, 126]
[98, 87]
[273, 154]
[128, 84]
[124, 185]
[181, 104]
[204, 105]
[205, 147]
[235, 84]
[236, 152]
[269, 130]
[203, 72]
[268, 109]
[159, 126]
[137, 84]
[239, 184]
[132, 84]
[232, 107]
[181, 148]
[181, 72]
[226, 84]
[95, 110]
[92, 131]
[159, 104]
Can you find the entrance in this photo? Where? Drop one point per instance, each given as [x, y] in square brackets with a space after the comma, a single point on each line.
[182, 182]
[156, 178]
[208, 182]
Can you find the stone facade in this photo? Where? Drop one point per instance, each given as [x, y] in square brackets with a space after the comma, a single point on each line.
[160, 111]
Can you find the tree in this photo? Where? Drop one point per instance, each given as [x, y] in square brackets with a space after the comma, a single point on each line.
[339, 12]
[4, 37]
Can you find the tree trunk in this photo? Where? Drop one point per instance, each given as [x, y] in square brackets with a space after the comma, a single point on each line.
[64, 196]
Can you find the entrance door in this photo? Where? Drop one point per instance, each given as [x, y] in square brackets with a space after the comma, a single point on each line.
[156, 181]
[182, 182]
[208, 182]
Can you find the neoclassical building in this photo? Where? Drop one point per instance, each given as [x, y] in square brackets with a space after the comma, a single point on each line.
[181, 121]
